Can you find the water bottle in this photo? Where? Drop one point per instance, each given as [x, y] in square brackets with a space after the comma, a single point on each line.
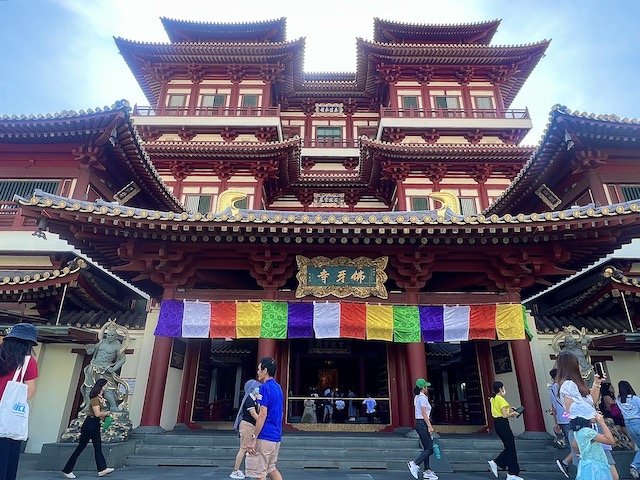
[436, 451]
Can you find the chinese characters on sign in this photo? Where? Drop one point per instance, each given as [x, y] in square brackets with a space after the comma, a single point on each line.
[337, 346]
[348, 275]
[341, 277]
[328, 200]
[329, 109]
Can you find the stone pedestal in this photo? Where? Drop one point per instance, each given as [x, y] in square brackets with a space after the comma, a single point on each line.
[55, 455]
[118, 431]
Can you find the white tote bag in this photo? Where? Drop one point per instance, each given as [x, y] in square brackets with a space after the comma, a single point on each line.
[14, 409]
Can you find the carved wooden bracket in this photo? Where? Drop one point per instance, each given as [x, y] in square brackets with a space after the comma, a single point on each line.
[236, 73]
[424, 75]
[308, 106]
[481, 173]
[266, 134]
[161, 73]
[223, 170]
[186, 134]
[350, 164]
[435, 173]
[394, 134]
[588, 160]
[196, 73]
[411, 271]
[264, 170]
[150, 134]
[398, 172]
[499, 75]
[388, 74]
[511, 172]
[464, 75]
[307, 163]
[180, 170]
[89, 156]
[229, 134]
[473, 137]
[305, 197]
[271, 270]
[351, 198]
[510, 137]
[350, 106]
[431, 137]
[271, 73]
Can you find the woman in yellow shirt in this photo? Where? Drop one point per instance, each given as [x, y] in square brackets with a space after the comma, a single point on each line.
[501, 412]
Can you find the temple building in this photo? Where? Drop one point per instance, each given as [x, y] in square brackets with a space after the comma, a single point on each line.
[364, 229]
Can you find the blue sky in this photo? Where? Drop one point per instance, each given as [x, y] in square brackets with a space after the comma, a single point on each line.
[60, 55]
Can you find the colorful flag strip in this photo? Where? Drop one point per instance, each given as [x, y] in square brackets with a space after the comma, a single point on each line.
[391, 323]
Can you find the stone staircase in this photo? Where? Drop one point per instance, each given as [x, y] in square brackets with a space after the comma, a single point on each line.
[379, 451]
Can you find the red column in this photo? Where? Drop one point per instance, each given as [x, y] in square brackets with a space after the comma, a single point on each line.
[394, 397]
[188, 382]
[257, 199]
[405, 386]
[526, 376]
[597, 188]
[154, 395]
[487, 377]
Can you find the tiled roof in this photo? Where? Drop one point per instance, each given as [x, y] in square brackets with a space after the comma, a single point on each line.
[480, 32]
[111, 128]
[16, 280]
[555, 324]
[184, 30]
[548, 164]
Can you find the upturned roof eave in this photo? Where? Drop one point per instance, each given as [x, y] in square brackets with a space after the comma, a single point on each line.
[459, 30]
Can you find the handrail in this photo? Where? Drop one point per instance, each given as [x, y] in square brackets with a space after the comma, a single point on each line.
[391, 112]
[146, 111]
[329, 143]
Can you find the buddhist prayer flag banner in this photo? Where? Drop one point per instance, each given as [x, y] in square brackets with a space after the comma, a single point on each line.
[365, 321]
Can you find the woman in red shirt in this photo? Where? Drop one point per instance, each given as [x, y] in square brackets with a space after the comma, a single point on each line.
[15, 347]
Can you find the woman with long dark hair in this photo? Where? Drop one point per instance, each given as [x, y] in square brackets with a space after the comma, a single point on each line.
[16, 346]
[629, 404]
[501, 412]
[90, 430]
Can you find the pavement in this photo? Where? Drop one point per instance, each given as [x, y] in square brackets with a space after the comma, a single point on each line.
[28, 462]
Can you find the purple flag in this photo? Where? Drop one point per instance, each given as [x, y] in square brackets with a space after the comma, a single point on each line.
[170, 320]
[432, 323]
[300, 320]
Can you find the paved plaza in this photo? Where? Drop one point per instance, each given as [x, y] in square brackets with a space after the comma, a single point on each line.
[28, 471]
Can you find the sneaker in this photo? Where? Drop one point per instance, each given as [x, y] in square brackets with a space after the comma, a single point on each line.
[430, 475]
[106, 471]
[236, 474]
[514, 477]
[494, 468]
[414, 469]
[69, 475]
[563, 468]
[633, 471]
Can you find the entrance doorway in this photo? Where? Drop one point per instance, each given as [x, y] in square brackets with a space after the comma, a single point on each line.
[341, 373]
[223, 368]
[456, 393]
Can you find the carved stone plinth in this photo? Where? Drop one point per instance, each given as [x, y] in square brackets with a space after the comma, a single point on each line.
[117, 432]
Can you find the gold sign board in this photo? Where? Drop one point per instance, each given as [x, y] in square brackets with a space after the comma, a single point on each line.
[341, 277]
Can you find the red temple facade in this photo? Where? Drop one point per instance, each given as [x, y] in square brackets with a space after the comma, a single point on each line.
[246, 183]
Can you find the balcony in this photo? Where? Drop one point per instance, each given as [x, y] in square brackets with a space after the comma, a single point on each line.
[233, 117]
[455, 119]
[330, 147]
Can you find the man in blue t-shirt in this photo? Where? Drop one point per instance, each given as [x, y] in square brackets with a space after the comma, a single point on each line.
[265, 442]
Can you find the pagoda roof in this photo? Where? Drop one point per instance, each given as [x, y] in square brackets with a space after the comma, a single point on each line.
[551, 164]
[387, 31]
[143, 59]
[108, 128]
[220, 150]
[180, 31]
[518, 60]
[587, 233]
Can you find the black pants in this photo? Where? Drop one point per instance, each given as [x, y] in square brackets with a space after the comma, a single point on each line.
[90, 431]
[508, 458]
[427, 443]
[9, 456]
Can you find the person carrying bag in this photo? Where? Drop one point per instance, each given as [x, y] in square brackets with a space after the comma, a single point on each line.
[18, 371]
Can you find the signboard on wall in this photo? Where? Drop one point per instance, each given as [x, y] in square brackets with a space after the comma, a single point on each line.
[178, 351]
[341, 277]
[328, 200]
[329, 109]
[501, 358]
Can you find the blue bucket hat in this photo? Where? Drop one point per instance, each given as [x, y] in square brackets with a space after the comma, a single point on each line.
[24, 331]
